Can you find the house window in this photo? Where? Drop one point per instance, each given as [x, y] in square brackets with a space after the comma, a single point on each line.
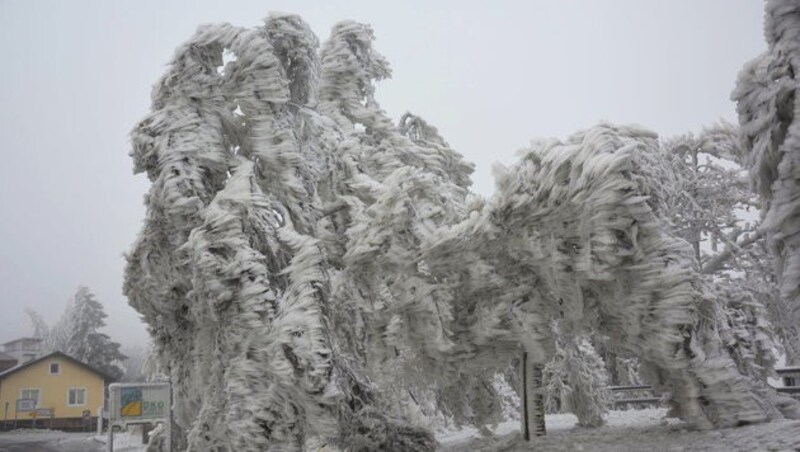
[55, 368]
[30, 394]
[76, 396]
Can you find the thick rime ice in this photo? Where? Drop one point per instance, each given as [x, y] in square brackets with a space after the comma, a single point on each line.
[309, 271]
[585, 242]
[769, 114]
[248, 215]
[707, 195]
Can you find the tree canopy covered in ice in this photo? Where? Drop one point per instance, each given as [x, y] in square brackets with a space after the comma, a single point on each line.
[313, 273]
[78, 334]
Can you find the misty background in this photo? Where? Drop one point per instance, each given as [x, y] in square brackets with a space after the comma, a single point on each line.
[76, 77]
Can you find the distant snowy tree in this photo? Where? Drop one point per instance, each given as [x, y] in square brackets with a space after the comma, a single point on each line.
[576, 381]
[55, 337]
[77, 333]
[86, 343]
[767, 102]
[136, 365]
[589, 397]
[40, 328]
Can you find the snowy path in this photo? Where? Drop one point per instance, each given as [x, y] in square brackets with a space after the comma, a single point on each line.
[633, 430]
[47, 441]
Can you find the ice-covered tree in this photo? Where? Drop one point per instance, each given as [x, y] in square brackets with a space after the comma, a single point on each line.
[136, 365]
[576, 381]
[53, 337]
[585, 222]
[40, 328]
[766, 96]
[86, 342]
[237, 286]
[301, 253]
[713, 209]
[78, 334]
[710, 196]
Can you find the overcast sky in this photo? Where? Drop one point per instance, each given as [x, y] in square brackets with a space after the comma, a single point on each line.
[76, 77]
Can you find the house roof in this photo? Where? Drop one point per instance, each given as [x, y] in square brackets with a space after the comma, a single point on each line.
[14, 369]
[23, 339]
[6, 357]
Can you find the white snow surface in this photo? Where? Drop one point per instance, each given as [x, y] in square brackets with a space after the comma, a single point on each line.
[54, 440]
[632, 430]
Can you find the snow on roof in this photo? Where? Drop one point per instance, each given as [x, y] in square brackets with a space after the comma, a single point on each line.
[50, 355]
[23, 339]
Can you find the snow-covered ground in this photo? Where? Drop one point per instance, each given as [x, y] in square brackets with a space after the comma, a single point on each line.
[57, 441]
[127, 441]
[47, 441]
[633, 430]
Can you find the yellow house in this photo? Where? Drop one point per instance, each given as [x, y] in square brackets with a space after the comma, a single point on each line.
[55, 383]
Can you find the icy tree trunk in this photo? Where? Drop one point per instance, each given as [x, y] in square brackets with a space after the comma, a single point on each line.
[532, 400]
[611, 364]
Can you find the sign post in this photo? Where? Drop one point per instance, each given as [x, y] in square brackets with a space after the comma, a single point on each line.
[24, 405]
[139, 403]
[87, 420]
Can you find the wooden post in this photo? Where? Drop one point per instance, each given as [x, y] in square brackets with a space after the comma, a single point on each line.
[532, 403]
[537, 405]
[147, 427]
[526, 433]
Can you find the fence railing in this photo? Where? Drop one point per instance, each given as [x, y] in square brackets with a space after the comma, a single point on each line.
[785, 373]
[655, 398]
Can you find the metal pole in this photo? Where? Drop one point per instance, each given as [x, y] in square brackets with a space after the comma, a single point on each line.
[100, 421]
[169, 419]
[110, 422]
[110, 441]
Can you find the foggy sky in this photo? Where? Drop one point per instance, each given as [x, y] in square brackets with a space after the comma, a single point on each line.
[76, 77]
